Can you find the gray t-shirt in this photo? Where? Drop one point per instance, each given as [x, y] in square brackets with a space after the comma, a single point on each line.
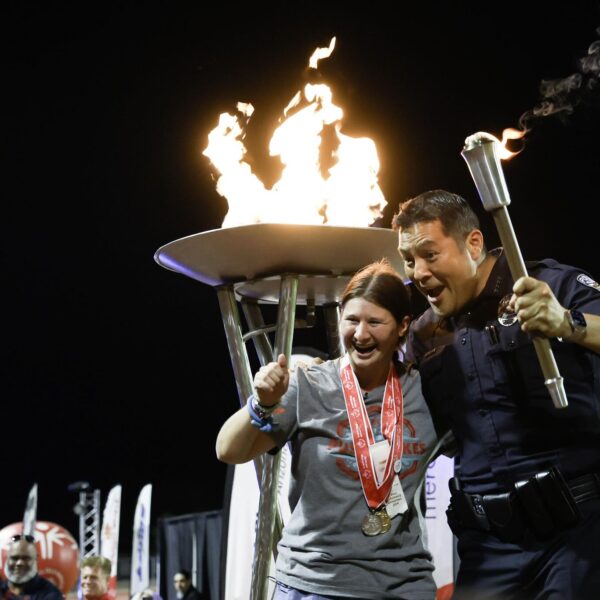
[323, 549]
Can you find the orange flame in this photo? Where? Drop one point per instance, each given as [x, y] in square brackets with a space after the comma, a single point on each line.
[347, 195]
[509, 134]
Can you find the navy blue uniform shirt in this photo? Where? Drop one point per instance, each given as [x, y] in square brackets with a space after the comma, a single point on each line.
[482, 379]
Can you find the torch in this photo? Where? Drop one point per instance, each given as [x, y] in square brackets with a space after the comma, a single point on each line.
[481, 154]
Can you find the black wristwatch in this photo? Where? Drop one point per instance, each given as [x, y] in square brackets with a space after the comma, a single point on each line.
[578, 325]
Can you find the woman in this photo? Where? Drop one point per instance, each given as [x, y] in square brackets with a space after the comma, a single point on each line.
[353, 533]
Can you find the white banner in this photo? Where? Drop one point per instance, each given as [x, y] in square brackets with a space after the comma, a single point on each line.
[140, 550]
[439, 536]
[243, 512]
[30, 514]
[109, 535]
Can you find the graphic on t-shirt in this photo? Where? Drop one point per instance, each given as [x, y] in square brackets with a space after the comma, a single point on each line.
[343, 449]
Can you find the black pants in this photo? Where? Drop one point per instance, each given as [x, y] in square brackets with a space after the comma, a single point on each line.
[566, 567]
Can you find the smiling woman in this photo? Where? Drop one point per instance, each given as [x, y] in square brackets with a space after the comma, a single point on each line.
[355, 484]
[375, 318]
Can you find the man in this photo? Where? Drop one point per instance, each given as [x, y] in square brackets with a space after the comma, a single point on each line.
[183, 586]
[21, 569]
[526, 497]
[95, 575]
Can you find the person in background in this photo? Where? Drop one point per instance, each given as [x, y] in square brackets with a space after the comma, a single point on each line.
[525, 501]
[361, 438]
[22, 579]
[184, 588]
[147, 594]
[95, 575]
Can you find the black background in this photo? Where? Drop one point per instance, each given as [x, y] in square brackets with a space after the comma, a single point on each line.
[115, 370]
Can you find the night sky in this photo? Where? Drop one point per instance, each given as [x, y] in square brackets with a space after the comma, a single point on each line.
[116, 370]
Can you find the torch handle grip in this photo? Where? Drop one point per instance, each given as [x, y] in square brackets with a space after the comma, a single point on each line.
[516, 264]
[552, 376]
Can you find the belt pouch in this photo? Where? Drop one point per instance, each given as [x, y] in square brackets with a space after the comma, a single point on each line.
[534, 508]
[558, 498]
[465, 510]
[504, 516]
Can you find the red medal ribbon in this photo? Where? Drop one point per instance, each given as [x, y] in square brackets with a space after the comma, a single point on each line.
[375, 493]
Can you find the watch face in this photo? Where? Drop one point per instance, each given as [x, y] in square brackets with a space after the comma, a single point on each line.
[578, 319]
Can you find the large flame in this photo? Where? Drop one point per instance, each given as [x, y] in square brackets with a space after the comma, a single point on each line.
[347, 194]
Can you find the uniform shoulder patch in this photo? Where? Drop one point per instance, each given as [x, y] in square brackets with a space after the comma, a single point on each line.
[588, 281]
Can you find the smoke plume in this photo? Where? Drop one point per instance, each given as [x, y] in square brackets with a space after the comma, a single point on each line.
[560, 97]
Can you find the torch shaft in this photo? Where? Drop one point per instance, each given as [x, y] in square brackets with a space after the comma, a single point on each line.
[509, 242]
[516, 264]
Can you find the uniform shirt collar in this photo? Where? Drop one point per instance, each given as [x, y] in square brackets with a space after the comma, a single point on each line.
[498, 285]
[500, 281]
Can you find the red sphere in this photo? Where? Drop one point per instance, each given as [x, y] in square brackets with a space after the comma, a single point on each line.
[57, 552]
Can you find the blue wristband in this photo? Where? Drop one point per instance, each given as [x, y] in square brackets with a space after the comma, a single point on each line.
[264, 423]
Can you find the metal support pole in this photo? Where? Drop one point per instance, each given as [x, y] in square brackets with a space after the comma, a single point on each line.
[267, 466]
[237, 348]
[286, 315]
[331, 313]
[255, 321]
[267, 509]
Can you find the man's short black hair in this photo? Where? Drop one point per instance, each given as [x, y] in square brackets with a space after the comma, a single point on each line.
[185, 573]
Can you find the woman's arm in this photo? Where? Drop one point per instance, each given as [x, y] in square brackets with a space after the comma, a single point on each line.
[239, 441]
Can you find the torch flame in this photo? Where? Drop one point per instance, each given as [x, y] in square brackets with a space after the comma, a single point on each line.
[502, 151]
[346, 194]
[509, 134]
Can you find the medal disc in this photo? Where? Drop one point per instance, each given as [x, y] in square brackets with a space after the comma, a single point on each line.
[372, 525]
[386, 521]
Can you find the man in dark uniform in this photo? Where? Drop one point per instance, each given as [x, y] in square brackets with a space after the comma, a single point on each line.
[526, 497]
[22, 579]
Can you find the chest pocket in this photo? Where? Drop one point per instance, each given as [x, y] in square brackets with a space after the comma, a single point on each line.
[437, 387]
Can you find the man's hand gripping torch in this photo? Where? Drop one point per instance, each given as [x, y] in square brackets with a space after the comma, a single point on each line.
[481, 154]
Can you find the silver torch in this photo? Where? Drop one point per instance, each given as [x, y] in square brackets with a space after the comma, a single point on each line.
[481, 154]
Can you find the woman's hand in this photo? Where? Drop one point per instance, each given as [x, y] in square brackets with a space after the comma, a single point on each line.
[271, 382]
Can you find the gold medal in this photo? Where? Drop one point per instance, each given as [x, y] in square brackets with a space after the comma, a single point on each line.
[386, 521]
[372, 525]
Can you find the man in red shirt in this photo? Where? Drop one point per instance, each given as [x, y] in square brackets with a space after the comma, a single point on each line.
[95, 573]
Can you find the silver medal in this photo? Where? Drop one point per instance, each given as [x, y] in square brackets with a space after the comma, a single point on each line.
[372, 525]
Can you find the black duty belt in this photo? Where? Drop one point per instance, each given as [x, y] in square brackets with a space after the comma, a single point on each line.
[544, 504]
